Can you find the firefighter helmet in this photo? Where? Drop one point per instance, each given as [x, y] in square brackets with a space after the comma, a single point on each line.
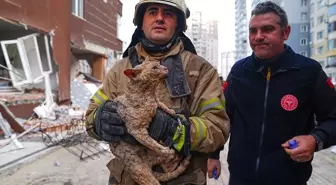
[178, 4]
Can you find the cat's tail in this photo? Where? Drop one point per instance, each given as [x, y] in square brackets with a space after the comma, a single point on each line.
[164, 177]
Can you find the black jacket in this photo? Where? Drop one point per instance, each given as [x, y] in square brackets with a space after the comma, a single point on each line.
[266, 113]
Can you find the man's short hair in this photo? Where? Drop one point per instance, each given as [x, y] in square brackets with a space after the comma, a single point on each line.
[269, 6]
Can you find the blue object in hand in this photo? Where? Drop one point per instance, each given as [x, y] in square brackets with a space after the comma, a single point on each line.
[292, 144]
[214, 174]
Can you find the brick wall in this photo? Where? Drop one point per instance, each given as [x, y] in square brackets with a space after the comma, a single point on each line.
[99, 24]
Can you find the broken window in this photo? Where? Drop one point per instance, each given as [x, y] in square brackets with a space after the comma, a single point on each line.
[85, 67]
[14, 62]
[23, 59]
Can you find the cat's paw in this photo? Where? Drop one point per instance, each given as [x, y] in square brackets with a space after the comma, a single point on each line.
[170, 153]
[171, 112]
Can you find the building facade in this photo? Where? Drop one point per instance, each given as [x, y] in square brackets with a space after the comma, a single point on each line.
[323, 34]
[227, 61]
[196, 32]
[204, 36]
[212, 42]
[75, 30]
[242, 12]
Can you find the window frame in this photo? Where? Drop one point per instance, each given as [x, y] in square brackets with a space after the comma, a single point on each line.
[304, 53]
[305, 17]
[15, 82]
[25, 59]
[304, 3]
[79, 8]
[304, 26]
[306, 40]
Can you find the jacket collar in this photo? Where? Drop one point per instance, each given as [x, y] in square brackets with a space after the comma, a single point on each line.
[138, 34]
[282, 62]
[175, 50]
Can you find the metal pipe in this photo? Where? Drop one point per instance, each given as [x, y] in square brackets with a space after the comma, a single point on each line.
[12, 71]
[5, 78]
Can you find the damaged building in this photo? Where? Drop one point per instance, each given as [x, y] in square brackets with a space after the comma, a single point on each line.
[46, 44]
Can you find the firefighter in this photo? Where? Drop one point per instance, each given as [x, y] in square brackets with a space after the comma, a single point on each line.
[192, 89]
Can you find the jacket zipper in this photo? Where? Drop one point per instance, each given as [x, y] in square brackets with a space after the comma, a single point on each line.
[268, 77]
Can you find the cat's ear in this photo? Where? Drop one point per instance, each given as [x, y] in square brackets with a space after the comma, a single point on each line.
[131, 73]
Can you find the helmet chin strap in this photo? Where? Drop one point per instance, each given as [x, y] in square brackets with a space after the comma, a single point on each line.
[150, 47]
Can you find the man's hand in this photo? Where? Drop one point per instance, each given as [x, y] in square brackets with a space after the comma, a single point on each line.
[305, 150]
[212, 165]
[109, 126]
[173, 131]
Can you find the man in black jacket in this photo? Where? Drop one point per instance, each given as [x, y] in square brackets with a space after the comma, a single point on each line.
[272, 97]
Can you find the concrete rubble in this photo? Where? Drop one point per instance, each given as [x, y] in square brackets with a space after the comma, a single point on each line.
[28, 96]
[49, 126]
[333, 149]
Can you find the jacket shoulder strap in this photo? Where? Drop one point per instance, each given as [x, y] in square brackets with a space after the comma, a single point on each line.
[133, 56]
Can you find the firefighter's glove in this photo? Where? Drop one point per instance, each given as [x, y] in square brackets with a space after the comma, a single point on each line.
[109, 126]
[173, 131]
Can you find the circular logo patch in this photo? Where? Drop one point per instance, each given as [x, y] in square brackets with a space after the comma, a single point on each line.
[289, 102]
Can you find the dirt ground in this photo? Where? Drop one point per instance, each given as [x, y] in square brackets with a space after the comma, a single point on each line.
[60, 168]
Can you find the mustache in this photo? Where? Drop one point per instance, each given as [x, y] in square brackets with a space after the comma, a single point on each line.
[260, 43]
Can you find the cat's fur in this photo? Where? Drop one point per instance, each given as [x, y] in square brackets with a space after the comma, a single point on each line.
[136, 108]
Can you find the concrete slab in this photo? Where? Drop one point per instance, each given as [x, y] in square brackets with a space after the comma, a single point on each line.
[333, 149]
[60, 168]
[10, 154]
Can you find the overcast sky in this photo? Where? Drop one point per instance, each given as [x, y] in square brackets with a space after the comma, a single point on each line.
[211, 9]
